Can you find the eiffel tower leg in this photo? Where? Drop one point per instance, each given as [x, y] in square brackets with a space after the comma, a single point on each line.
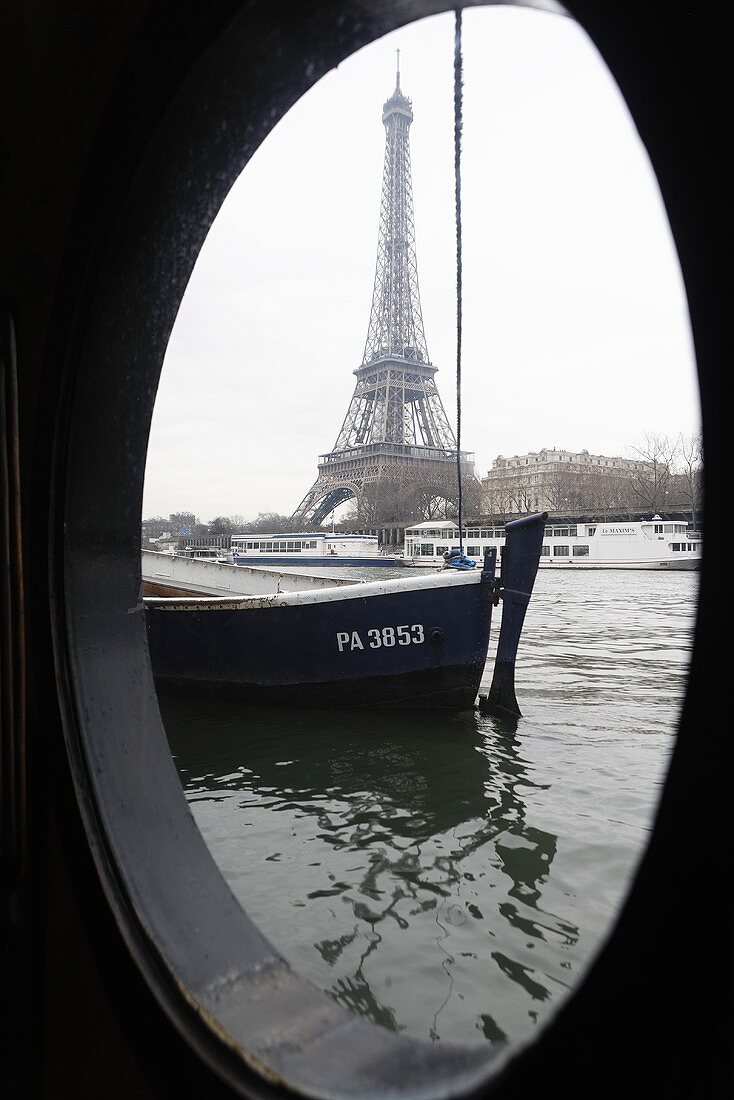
[323, 497]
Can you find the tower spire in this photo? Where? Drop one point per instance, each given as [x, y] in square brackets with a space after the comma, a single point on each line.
[396, 322]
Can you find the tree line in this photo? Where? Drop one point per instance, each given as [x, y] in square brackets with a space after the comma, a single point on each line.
[187, 525]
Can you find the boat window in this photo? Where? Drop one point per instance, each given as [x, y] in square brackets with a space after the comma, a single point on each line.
[473, 551]
[561, 551]
[591, 531]
[545, 551]
[581, 551]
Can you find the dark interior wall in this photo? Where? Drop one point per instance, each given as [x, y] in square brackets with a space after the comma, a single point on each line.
[83, 85]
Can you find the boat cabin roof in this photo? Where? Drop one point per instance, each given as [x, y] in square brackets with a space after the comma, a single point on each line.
[434, 525]
[280, 535]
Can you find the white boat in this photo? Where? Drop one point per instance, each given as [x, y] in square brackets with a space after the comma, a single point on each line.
[312, 548]
[207, 553]
[638, 544]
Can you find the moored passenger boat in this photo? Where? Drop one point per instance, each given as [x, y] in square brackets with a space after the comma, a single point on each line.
[639, 544]
[311, 548]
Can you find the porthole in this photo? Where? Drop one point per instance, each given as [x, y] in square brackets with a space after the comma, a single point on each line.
[471, 942]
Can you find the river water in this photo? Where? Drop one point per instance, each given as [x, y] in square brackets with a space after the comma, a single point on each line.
[452, 875]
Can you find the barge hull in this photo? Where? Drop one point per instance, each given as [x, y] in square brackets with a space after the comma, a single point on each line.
[414, 643]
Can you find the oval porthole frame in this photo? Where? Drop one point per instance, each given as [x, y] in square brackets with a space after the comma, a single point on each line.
[256, 1023]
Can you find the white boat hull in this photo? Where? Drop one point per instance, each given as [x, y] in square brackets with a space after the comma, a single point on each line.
[582, 566]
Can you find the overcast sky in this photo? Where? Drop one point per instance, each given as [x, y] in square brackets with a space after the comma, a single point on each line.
[576, 331]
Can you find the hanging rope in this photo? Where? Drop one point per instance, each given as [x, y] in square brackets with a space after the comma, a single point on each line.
[458, 105]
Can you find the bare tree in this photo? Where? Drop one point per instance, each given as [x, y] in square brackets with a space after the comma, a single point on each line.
[432, 505]
[497, 501]
[401, 501]
[220, 525]
[604, 492]
[523, 498]
[471, 502]
[651, 483]
[266, 523]
[563, 489]
[690, 462]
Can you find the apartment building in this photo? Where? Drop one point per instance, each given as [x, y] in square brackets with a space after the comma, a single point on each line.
[559, 481]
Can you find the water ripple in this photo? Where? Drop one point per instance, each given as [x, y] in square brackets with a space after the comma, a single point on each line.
[449, 875]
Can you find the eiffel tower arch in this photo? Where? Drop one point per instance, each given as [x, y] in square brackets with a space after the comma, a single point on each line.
[396, 432]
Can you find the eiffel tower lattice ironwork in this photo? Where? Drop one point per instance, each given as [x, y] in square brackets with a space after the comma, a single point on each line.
[396, 432]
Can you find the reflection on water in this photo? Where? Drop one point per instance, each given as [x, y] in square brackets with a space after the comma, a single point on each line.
[451, 875]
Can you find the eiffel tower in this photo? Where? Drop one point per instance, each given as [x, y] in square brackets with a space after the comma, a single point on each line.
[396, 432]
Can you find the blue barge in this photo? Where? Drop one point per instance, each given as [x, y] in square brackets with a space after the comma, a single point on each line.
[413, 642]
